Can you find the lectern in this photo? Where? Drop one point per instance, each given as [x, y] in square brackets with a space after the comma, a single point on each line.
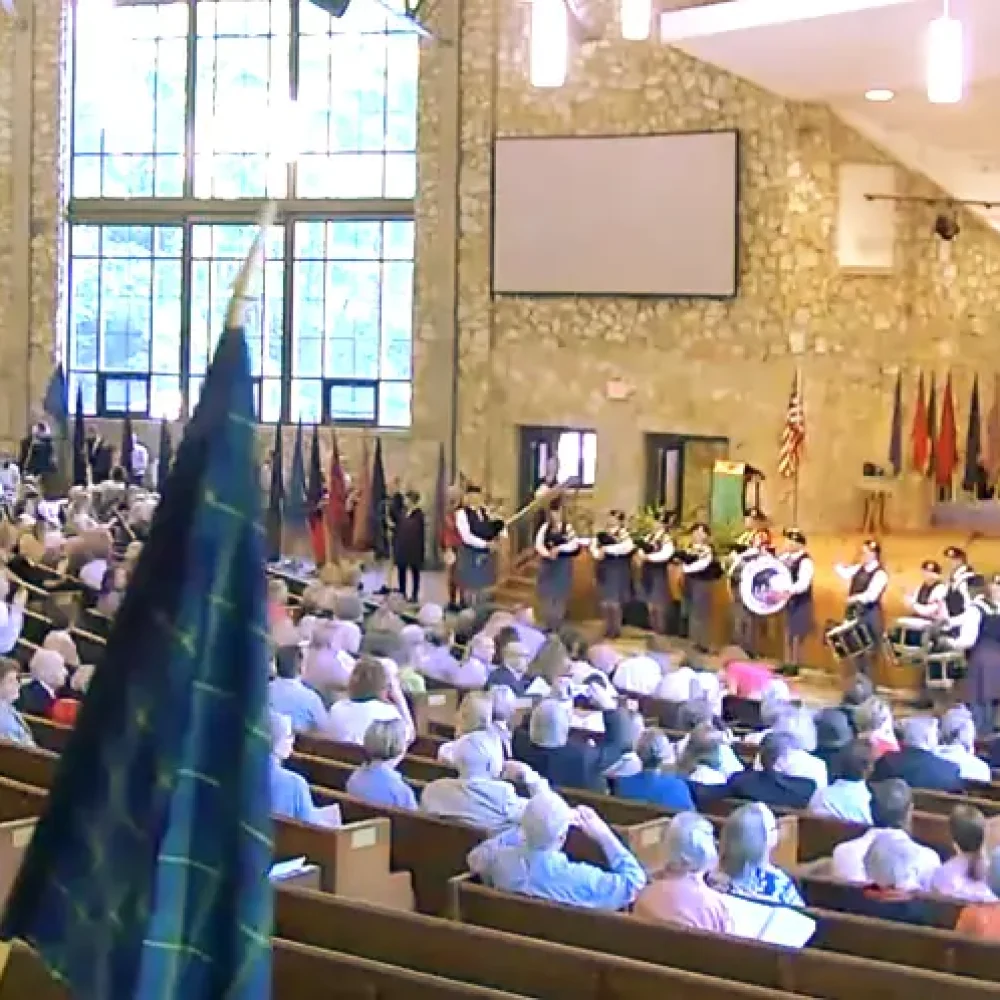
[735, 491]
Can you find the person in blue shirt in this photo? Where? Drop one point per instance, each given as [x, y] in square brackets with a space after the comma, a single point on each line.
[530, 859]
[745, 870]
[654, 783]
[290, 795]
[288, 695]
[378, 781]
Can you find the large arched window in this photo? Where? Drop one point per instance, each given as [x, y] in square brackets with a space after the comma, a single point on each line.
[183, 118]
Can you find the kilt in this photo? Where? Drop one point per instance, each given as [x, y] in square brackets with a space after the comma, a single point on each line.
[476, 569]
[614, 579]
[555, 578]
[982, 682]
[800, 616]
[655, 585]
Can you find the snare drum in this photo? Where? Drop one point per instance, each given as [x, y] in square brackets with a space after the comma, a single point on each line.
[850, 639]
[910, 638]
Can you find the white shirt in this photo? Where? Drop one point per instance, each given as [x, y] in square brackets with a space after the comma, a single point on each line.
[705, 775]
[872, 594]
[92, 573]
[970, 767]
[11, 622]
[637, 675]
[663, 554]
[934, 604]
[850, 801]
[676, 685]
[622, 548]
[567, 548]
[465, 532]
[848, 864]
[729, 763]
[140, 459]
[349, 720]
[802, 764]
[10, 478]
[968, 624]
[489, 803]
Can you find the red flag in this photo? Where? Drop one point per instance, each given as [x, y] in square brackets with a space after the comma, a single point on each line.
[360, 536]
[336, 507]
[946, 453]
[920, 436]
[793, 434]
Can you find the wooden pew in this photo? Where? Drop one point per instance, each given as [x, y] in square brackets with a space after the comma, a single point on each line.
[298, 971]
[808, 972]
[486, 957]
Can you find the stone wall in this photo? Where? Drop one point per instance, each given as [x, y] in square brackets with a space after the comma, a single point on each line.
[705, 367]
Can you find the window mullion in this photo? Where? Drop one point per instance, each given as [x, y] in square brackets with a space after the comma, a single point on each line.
[190, 97]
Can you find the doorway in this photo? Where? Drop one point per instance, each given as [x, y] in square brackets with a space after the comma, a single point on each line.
[679, 473]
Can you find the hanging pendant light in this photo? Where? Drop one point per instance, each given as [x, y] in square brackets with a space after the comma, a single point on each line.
[549, 52]
[945, 59]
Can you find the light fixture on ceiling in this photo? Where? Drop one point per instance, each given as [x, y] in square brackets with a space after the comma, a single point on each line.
[879, 95]
[945, 59]
[636, 18]
[549, 43]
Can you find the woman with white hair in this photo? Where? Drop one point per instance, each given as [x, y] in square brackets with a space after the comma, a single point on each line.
[473, 671]
[957, 743]
[801, 762]
[874, 723]
[892, 865]
[530, 860]
[479, 796]
[325, 666]
[748, 837]
[681, 896]
[474, 715]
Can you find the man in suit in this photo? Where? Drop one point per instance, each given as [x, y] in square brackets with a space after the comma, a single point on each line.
[771, 785]
[48, 676]
[409, 543]
[99, 456]
[916, 761]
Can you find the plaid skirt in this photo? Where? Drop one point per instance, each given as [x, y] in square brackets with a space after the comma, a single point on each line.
[555, 578]
[476, 569]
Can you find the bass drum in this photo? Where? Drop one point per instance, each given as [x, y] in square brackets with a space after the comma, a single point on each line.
[764, 585]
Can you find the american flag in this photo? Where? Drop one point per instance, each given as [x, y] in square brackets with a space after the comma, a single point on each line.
[793, 436]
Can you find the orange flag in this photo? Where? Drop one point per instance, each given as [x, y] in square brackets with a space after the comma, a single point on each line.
[946, 453]
[360, 535]
[920, 436]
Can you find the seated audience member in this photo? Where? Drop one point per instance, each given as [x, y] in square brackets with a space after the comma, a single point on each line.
[700, 764]
[528, 633]
[639, 674]
[59, 636]
[775, 702]
[436, 662]
[873, 722]
[504, 709]
[675, 688]
[982, 920]
[474, 715]
[965, 875]
[958, 744]
[530, 860]
[892, 812]
[800, 762]
[706, 686]
[288, 695]
[479, 795]
[745, 678]
[848, 797]
[549, 663]
[601, 657]
[655, 783]
[916, 761]
[348, 608]
[66, 708]
[378, 781]
[772, 784]
[549, 751]
[474, 670]
[748, 837]
[326, 668]
[501, 640]
[11, 614]
[411, 643]
[48, 675]
[893, 870]
[622, 729]
[13, 728]
[697, 713]
[680, 895]
[387, 616]
[833, 736]
[374, 695]
[277, 602]
[97, 552]
[430, 616]
[859, 690]
[290, 795]
[513, 671]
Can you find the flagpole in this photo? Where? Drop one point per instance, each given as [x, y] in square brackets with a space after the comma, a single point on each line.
[795, 496]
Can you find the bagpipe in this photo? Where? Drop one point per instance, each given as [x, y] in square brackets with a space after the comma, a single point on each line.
[696, 553]
[493, 526]
[555, 540]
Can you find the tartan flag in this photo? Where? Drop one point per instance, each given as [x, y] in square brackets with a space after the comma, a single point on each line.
[793, 435]
[79, 442]
[148, 874]
[920, 434]
[316, 499]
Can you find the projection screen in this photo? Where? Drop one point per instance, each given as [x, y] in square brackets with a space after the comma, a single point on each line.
[654, 215]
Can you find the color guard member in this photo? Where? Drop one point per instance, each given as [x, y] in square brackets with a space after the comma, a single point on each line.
[612, 551]
[867, 583]
[977, 631]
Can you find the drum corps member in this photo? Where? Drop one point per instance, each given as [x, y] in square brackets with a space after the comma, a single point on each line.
[960, 573]
[753, 542]
[654, 557]
[799, 611]
[977, 631]
[867, 583]
[556, 543]
[701, 570]
[929, 599]
[612, 551]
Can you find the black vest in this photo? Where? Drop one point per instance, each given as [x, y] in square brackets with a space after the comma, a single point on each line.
[794, 568]
[989, 628]
[478, 523]
[554, 538]
[954, 599]
[860, 581]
